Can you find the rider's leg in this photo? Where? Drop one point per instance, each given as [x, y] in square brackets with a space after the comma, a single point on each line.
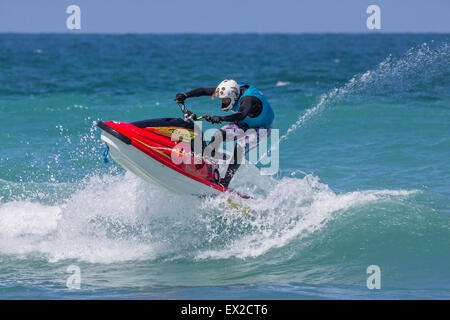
[233, 167]
[218, 135]
[227, 133]
[244, 143]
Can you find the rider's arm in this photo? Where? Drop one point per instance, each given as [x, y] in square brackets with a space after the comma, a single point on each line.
[199, 92]
[248, 105]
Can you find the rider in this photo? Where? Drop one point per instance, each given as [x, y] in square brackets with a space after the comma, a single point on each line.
[251, 110]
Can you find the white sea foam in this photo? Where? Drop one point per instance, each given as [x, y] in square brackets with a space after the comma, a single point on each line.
[282, 83]
[21, 218]
[97, 224]
[295, 208]
[122, 218]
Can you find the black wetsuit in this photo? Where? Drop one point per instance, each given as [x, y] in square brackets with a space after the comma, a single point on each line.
[249, 106]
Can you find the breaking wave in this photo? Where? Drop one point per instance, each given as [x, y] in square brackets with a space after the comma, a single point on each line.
[121, 218]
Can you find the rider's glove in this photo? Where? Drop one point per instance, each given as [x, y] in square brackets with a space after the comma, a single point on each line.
[180, 97]
[215, 119]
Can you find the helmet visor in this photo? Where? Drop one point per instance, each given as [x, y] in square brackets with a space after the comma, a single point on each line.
[225, 103]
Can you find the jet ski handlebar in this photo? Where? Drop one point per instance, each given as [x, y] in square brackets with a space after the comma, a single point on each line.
[189, 116]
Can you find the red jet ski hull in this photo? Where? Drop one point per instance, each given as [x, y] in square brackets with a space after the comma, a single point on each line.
[159, 150]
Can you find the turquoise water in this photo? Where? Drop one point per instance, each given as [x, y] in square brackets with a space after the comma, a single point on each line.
[364, 173]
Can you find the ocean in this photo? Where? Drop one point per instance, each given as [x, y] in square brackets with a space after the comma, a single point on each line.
[363, 180]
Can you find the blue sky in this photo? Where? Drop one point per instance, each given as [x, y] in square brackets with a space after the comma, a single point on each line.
[224, 16]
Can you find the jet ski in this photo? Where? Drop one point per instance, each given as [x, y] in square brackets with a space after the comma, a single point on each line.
[148, 148]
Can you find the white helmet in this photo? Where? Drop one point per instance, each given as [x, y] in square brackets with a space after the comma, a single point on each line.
[228, 89]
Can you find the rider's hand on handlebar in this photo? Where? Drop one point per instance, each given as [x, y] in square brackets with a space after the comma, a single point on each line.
[180, 97]
[191, 115]
[216, 119]
[213, 119]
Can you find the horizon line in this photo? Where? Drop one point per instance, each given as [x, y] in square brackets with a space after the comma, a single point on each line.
[230, 33]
